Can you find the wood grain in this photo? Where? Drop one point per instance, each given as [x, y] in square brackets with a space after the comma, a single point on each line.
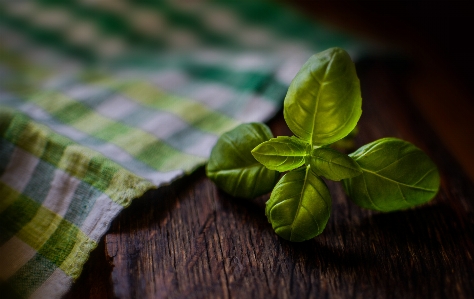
[190, 240]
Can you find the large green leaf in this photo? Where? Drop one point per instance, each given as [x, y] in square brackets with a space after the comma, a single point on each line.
[282, 153]
[333, 165]
[396, 175]
[299, 206]
[323, 103]
[233, 168]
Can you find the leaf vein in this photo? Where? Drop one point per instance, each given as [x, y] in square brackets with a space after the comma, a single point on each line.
[403, 195]
[425, 175]
[313, 218]
[397, 160]
[277, 204]
[368, 194]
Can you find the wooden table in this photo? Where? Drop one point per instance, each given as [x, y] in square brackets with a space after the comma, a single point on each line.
[191, 240]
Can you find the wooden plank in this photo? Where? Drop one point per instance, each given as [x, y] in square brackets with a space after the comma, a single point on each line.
[191, 240]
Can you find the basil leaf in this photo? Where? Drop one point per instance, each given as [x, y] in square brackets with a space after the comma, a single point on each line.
[233, 168]
[282, 153]
[333, 165]
[396, 175]
[323, 103]
[299, 206]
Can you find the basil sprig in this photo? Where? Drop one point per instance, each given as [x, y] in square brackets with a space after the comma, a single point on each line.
[322, 106]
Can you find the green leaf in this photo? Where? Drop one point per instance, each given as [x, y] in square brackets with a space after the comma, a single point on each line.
[333, 165]
[299, 206]
[323, 103]
[396, 175]
[233, 168]
[282, 153]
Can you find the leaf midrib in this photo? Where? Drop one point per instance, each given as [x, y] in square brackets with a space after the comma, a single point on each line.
[300, 201]
[396, 182]
[318, 97]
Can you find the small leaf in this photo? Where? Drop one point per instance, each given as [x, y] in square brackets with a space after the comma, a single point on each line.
[299, 206]
[233, 168]
[333, 165]
[282, 153]
[396, 175]
[323, 103]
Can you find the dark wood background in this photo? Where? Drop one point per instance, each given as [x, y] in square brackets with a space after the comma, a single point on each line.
[191, 240]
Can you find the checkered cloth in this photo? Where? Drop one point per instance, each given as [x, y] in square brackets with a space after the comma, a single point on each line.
[101, 101]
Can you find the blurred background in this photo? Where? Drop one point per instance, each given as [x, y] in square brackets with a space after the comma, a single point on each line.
[433, 36]
[271, 38]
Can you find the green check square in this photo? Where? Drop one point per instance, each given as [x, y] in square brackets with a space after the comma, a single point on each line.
[16, 215]
[60, 243]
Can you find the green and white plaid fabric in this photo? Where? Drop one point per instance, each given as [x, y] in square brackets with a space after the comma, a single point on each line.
[101, 101]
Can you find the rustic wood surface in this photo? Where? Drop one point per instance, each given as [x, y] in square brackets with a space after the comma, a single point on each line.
[191, 240]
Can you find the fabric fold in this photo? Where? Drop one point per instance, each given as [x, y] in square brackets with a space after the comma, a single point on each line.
[101, 101]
